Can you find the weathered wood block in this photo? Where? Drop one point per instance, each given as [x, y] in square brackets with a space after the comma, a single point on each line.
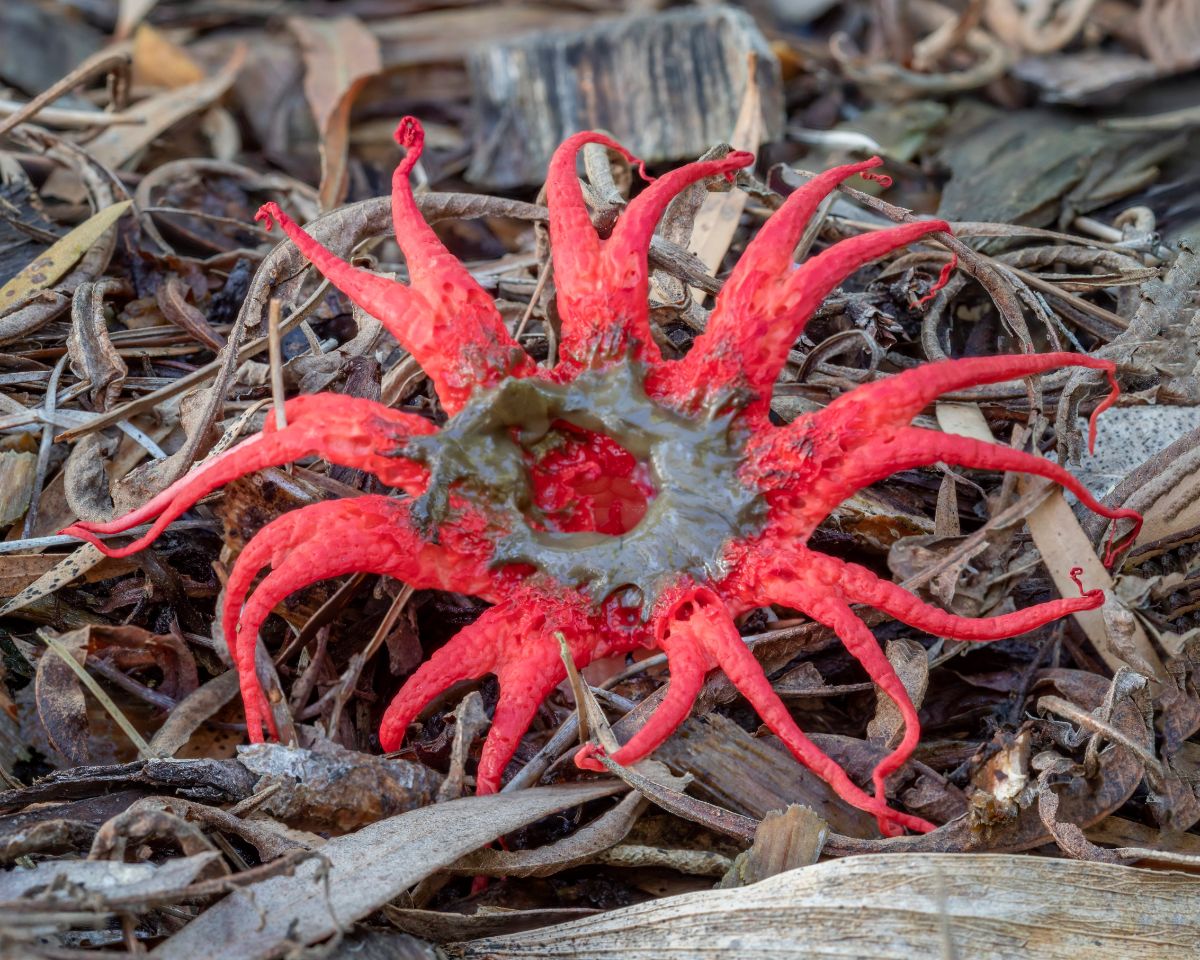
[668, 86]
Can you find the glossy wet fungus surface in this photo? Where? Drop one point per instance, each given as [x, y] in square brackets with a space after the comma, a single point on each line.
[617, 500]
[696, 502]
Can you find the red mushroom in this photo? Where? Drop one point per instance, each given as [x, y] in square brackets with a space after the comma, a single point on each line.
[619, 499]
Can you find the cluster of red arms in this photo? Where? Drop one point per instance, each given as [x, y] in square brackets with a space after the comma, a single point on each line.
[649, 516]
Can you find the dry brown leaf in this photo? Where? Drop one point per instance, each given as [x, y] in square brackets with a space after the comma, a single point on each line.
[67, 569]
[895, 907]
[16, 484]
[911, 663]
[61, 706]
[785, 840]
[171, 298]
[190, 712]
[330, 788]
[158, 62]
[340, 56]
[93, 356]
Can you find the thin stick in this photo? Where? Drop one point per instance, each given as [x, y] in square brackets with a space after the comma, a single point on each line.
[65, 119]
[275, 355]
[101, 62]
[543, 276]
[43, 457]
[349, 680]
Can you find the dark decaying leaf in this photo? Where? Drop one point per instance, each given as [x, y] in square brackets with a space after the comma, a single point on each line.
[331, 788]
[61, 705]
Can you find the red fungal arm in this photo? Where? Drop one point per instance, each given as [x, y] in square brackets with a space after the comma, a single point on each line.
[752, 351]
[348, 431]
[480, 343]
[700, 615]
[911, 447]
[444, 319]
[676, 636]
[826, 607]
[860, 585]
[624, 253]
[820, 586]
[363, 535]
[468, 655]
[769, 256]
[575, 248]
[530, 667]
[862, 437]
[516, 640]
[603, 285]
[895, 400]
[767, 300]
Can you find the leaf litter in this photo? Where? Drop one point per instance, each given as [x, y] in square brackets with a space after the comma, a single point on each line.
[135, 343]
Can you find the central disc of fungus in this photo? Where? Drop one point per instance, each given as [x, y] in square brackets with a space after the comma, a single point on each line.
[583, 480]
[682, 489]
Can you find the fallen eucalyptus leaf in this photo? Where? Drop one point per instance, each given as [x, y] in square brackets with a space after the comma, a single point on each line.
[894, 907]
[104, 877]
[54, 263]
[361, 872]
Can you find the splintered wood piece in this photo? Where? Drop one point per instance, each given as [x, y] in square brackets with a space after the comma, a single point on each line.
[667, 86]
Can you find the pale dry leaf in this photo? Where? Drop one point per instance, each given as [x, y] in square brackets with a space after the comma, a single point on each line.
[1170, 32]
[581, 846]
[361, 872]
[894, 907]
[130, 13]
[717, 220]
[61, 882]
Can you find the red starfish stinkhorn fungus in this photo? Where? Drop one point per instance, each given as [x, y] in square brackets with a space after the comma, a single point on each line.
[619, 499]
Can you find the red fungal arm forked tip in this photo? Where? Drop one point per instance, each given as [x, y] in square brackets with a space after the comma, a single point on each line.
[268, 215]
[942, 280]
[1113, 548]
[1110, 371]
[883, 179]
[588, 757]
[1095, 598]
[410, 137]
